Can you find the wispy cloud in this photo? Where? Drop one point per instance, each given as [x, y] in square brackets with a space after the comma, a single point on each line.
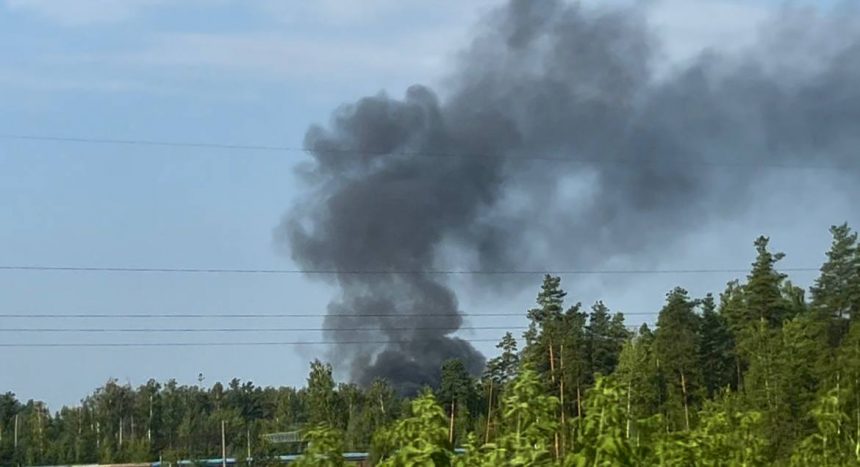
[326, 12]
[315, 64]
[83, 12]
[337, 12]
[282, 56]
[320, 56]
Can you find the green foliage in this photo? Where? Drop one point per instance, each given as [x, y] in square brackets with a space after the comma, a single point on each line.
[639, 376]
[325, 448]
[764, 299]
[676, 346]
[321, 395]
[529, 424]
[716, 350]
[602, 436]
[605, 335]
[760, 377]
[419, 440]
[545, 326]
[728, 436]
[503, 368]
[836, 438]
[836, 293]
[457, 393]
[530, 417]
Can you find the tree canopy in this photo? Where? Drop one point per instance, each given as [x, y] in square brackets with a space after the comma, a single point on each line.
[759, 376]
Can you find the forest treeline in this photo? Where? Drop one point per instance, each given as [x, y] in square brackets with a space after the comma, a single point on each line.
[766, 373]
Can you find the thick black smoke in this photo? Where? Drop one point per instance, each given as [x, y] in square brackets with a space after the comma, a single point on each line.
[556, 146]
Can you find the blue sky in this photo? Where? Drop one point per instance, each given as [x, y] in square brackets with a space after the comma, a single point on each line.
[240, 72]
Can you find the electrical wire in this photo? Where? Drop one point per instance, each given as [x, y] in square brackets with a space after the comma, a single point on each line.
[238, 330]
[131, 269]
[224, 344]
[346, 151]
[259, 315]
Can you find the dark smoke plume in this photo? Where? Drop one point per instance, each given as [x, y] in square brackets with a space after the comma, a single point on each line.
[556, 145]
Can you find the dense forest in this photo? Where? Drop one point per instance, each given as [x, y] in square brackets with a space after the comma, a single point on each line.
[763, 374]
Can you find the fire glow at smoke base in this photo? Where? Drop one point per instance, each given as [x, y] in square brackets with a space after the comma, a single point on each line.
[395, 183]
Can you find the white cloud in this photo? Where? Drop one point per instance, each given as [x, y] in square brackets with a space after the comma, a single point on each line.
[389, 58]
[275, 56]
[343, 12]
[326, 12]
[83, 12]
[333, 11]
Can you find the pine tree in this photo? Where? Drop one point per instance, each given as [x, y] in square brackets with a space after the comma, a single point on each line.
[575, 368]
[550, 338]
[618, 335]
[849, 355]
[550, 301]
[716, 350]
[835, 439]
[9, 408]
[457, 394]
[542, 338]
[758, 339]
[763, 291]
[676, 345]
[321, 395]
[836, 300]
[794, 385]
[732, 311]
[602, 348]
[503, 368]
[836, 293]
[637, 373]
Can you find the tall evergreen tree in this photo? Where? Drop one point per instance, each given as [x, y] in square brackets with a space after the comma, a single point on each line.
[787, 392]
[732, 311]
[793, 385]
[765, 311]
[764, 299]
[848, 385]
[321, 395]
[836, 293]
[503, 368]
[716, 349]
[618, 334]
[541, 337]
[836, 298]
[457, 394]
[602, 348]
[9, 409]
[550, 301]
[575, 368]
[676, 345]
[638, 376]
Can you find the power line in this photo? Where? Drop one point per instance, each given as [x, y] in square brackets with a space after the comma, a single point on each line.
[165, 270]
[243, 315]
[345, 151]
[238, 330]
[144, 142]
[220, 344]
[263, 315]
